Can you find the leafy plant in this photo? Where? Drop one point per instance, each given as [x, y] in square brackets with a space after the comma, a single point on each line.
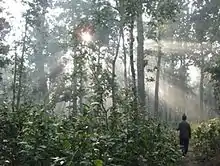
[206, 138]
[40, 138]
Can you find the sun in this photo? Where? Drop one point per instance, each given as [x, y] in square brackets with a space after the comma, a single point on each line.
[86, 36]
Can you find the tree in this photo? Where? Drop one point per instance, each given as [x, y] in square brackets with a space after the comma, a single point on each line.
[206, 34]
[140, 60]
[36, 19]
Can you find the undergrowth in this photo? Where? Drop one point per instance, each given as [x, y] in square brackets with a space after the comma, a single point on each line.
[207, 139]
[33, 136]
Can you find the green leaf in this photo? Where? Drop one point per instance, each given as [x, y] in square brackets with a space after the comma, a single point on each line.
[98, 162]
[66, 144]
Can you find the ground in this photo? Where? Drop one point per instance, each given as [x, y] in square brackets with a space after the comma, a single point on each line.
[190, 160]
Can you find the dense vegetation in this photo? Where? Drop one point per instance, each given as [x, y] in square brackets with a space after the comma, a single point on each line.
[207, 140]
[105, 82]
[39, 138]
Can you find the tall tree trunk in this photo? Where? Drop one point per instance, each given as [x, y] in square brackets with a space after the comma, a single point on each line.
[81, 90]
[140, 62]
[131, 48]
[125, 62]
[171, 100]
[14, 80]
[40, 62]
[113, 74]
[74, 74]
[113, 86]
[121, 34]
[157, 83]
[121, 7]
[201, 88]
[74, 86]
[21, 66]
[182, 83]
[82, 80]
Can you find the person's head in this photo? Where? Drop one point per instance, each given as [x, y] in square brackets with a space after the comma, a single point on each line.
[184, 117]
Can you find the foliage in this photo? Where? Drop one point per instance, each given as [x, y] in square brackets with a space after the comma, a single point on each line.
[36, 137]
[215, 80]
[4, 48]
[206, 138]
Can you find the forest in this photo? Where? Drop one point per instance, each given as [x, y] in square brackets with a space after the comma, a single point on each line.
[106, 82]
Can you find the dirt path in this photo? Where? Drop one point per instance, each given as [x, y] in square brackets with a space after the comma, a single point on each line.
[190, 160]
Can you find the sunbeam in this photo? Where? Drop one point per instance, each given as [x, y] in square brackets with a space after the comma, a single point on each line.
[179, 101]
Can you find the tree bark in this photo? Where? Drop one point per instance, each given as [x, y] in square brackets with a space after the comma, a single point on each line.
[74, 86]
[133, 75]
[14, 80]
[21, 67]
[157, 83]
[201, 88]
[121, 8]
[40, 62]
[125, 62]
[113, 74]
[140, 62]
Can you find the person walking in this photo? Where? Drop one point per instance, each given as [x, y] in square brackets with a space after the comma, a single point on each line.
[184, 134]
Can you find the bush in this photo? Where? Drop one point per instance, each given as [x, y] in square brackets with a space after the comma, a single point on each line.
[207, 139]
[35, 137]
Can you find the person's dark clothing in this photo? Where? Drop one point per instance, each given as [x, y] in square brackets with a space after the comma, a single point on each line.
[184, 143]
[184, 135]
[185, 130]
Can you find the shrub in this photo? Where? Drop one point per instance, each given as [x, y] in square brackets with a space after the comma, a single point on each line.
[35, 137]
[207, 139]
